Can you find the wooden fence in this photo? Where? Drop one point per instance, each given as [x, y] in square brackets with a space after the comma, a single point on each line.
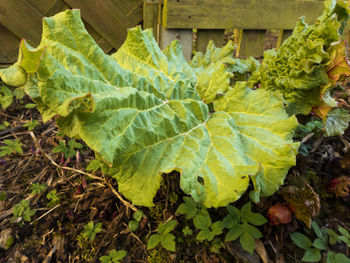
[108, 20]
[173, 19]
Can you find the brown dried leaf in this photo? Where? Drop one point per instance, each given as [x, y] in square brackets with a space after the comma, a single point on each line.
[261, 251]
[303, 200]
[340, 186]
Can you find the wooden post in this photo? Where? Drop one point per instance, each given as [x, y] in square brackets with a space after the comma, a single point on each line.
[184, 36]
[251, 43]
[152, 13]
[205, 35]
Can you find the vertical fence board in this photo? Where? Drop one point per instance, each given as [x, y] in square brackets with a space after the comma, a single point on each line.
[184, 36]
[205, 35]
[151, 17]
[252, 43]
[21, 19]
[9, 46]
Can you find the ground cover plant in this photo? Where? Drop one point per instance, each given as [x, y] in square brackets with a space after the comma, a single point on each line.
[149, 125]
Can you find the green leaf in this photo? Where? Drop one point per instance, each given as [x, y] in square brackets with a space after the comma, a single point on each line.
[117, 255]
[217, 227]
[94, 165]
[234, 212]
[205, 234]
[337, 258]
[318, 243]
[182, 209]
[253, 231]
[30, 106]
[344, 232]
[229, 221]
[234, 233]
[256, 219]
[301, 240]
[336, 122]
[37, 188]
[311, 255]
[168, 242]
[333, 236]
[247, 242]
[301, 77]
[133, 225]
[140, 112]
[14, 76]
[167, 227]
[6, 97]
[153, 241]
[187, 231]
[138, 215]
[202, 220]
[317, 229]
[19, 93]
[345, 240]
[246, 211]
[31, 124]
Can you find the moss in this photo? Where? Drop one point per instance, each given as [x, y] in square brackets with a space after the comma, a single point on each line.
[9, 242]
[173, 198]
[158, 254]
[156, 212]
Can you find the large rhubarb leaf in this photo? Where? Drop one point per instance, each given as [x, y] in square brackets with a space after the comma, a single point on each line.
[298, 70]
[217, 68]
[141, 114]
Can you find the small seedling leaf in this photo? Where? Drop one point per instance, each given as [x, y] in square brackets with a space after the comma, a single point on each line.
[247, 242]
[168, 242]
[234, 233]
[256, 219]
[153, 241]
[301, 240]
[318, 243]
[311, 255]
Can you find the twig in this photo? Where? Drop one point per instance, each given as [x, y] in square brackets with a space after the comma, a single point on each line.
[43, 215]
[48, 159]
[307, 137]
[136, 237]
[127, 204]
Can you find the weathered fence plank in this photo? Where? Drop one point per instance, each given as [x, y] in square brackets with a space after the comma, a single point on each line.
[152, 16]
[107, 17]
[251, 43]
[204, 36]
[183, 35]
[8, 46]
[253, 14]
[21, 19]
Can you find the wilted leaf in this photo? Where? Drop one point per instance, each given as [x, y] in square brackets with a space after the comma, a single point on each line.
[337, 121]
[304, 201]
[340, 186]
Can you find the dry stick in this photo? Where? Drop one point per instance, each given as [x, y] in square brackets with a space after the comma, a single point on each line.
[43, 215]
[137, 238]
[48, 158]
[127, 204]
